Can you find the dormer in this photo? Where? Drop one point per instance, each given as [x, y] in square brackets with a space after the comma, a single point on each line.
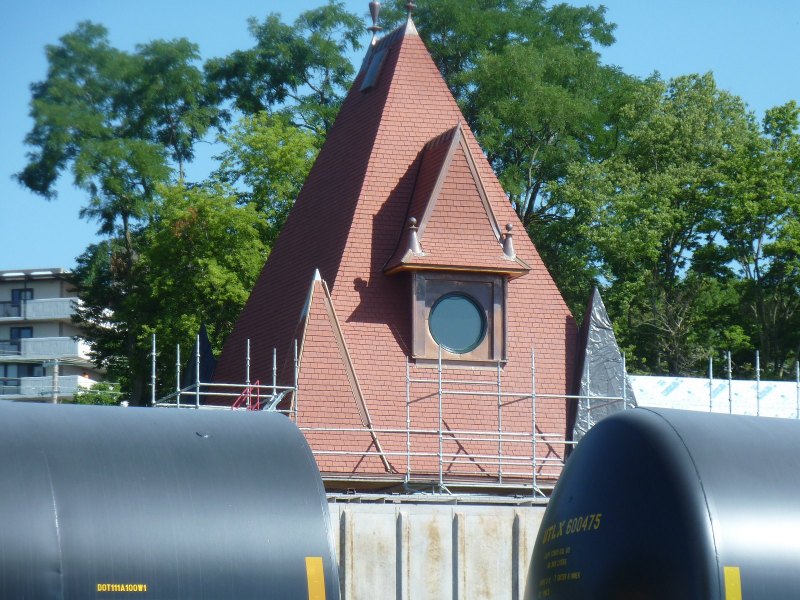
[459, 257]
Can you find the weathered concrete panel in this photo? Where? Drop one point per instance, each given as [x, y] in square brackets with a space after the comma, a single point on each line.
[369, 545]
[423, 551]
[427, 555]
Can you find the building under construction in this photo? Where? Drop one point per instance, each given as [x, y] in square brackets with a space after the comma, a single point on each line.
[418, 305]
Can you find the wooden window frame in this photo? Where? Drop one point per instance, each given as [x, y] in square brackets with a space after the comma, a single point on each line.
[488, 290]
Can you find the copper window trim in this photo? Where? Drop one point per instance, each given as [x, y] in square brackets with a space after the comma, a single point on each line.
[489, 290]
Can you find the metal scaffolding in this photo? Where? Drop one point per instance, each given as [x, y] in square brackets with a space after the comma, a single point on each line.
[224, 396]
[431, 453]
[501, 456]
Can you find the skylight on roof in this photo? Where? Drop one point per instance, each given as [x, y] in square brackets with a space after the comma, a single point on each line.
[374, 70]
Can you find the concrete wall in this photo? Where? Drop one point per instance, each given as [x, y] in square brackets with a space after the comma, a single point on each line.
[433, 551]
[53, 347]
[49, 308]
[42, 387]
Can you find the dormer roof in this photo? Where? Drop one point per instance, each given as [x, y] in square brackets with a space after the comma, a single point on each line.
[456, 226]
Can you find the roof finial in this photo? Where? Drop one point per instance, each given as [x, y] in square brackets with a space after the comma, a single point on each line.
[413, 239]
[374, 11]
[508, 243]
[410, 6]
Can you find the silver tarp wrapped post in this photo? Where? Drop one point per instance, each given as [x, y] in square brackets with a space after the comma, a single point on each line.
[105, 502]
[603, 387]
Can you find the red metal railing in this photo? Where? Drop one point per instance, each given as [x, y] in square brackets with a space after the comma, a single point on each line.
[245, 399]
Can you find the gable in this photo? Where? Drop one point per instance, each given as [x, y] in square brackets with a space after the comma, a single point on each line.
[457, 227]
[329, 393]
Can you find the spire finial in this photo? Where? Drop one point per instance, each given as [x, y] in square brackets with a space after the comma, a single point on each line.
[374, 11]
[508, 243]
[410, 6]
[413, 238]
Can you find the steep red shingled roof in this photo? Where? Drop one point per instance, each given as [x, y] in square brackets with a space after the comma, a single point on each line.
[347, 222]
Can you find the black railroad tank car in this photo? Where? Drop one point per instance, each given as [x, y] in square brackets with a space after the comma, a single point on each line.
[105, 502]
[675, 505]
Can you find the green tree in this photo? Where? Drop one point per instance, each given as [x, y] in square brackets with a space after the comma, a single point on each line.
[170, 100]
[654, 203]
[119, 122]
[302, 70]
[201, 256]
[267, 159]
[114, 119]
[102, 394]
[758, 220]
[198, 258]
[105, 316]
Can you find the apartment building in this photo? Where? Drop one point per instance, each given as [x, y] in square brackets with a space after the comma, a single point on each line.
[42, 357]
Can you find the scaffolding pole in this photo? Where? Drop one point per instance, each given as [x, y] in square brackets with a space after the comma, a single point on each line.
[758, 384]
[534, 486]
[408, 422]
[499, 425]
[153, 372]
[178, 374]
[296, 389]
[247, 376]
[624, 383]
[730, 385]
[710, 384]
[197, 373]
[274, 373]
[441, 478]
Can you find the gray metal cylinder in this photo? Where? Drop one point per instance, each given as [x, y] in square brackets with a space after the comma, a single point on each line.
[666, 504]
[109, 502]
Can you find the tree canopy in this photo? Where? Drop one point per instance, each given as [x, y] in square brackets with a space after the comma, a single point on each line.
[302, 70]
[686, 215]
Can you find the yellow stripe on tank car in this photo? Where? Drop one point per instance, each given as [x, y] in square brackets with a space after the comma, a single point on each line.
[316, 578]
[733, 583]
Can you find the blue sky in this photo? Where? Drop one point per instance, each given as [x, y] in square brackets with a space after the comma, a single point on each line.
[752, 49]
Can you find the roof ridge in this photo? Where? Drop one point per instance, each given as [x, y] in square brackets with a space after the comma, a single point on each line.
[407, 28]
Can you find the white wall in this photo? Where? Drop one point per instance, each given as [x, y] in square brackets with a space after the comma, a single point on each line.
[767, 398]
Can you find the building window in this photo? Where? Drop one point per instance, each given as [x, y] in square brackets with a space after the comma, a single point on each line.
[18, 296]
[9, 378]
[463, 314]
[11, 375]
[457, 323]
[30, 370]
[19, 333]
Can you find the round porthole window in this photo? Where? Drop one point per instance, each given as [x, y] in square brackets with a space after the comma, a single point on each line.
[457, 323]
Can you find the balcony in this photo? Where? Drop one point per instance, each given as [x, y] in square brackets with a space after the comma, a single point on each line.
[46, 309]
[44, 348]
[38, 388]
[10, 310]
